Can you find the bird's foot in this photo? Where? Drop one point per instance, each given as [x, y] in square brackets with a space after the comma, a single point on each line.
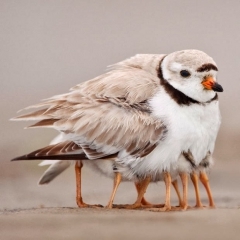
[85, 205]
[180, 208]
[95, 206]
[150, 205]
[165, 208]
[201, 206]
[128, 206]
[212, 206]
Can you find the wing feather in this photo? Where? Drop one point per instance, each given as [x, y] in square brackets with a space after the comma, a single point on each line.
[65, 151]
[108, 112]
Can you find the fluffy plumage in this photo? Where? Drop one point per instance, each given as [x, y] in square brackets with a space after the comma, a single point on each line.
[143, 111]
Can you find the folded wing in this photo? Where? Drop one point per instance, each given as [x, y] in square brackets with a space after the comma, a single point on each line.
[101, 117]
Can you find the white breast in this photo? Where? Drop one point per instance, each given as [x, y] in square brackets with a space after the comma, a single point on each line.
[191, 128]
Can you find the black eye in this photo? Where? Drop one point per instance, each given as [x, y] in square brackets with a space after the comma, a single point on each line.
[185, 73]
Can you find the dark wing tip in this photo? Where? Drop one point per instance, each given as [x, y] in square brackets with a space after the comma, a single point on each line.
[24, 157]
[51, 157]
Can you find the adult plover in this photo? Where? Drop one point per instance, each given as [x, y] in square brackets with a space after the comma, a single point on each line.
[154, 115]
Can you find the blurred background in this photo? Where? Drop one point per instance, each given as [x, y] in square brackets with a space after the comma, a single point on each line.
[49, 46]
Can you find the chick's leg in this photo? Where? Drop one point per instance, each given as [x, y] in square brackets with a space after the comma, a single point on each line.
[205, 181]
[80, 203]
[194, 178]
[175, 185]
[144, 202]
[78, 168]
[141, 189]
[117, 181]
[167, 205]
[184, 179]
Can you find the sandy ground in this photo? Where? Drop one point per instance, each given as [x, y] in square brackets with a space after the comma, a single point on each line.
[50, 212]
[73, 223]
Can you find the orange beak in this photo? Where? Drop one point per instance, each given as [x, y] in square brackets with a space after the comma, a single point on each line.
[210, 84]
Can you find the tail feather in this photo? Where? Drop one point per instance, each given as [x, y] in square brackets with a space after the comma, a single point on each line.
[53, 171]
[47, 162]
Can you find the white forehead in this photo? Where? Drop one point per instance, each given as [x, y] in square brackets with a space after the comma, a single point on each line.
[176, 67]
[192, 59]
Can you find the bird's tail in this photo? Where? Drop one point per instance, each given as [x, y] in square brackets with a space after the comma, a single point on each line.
[57, 167]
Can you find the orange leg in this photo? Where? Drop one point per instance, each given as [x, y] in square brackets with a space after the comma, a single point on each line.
[194, 178]
[141, 189]
[175, 185]
[184, 179]
[150, 205]
[78, 168]
[117, 181]
[205, 181]
[167, 180]
[144, 201]
[167, 205]
[80, 203]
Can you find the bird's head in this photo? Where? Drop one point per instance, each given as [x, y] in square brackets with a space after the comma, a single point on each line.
[193, 73]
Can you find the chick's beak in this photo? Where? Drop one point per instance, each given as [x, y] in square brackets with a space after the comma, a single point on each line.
[210, 84]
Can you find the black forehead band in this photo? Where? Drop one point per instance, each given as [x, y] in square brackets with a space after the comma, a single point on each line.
[207, 67]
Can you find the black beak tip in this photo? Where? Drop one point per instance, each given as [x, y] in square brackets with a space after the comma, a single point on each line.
[217, 88]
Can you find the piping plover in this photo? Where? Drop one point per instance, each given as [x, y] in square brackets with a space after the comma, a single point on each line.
[152, 114]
